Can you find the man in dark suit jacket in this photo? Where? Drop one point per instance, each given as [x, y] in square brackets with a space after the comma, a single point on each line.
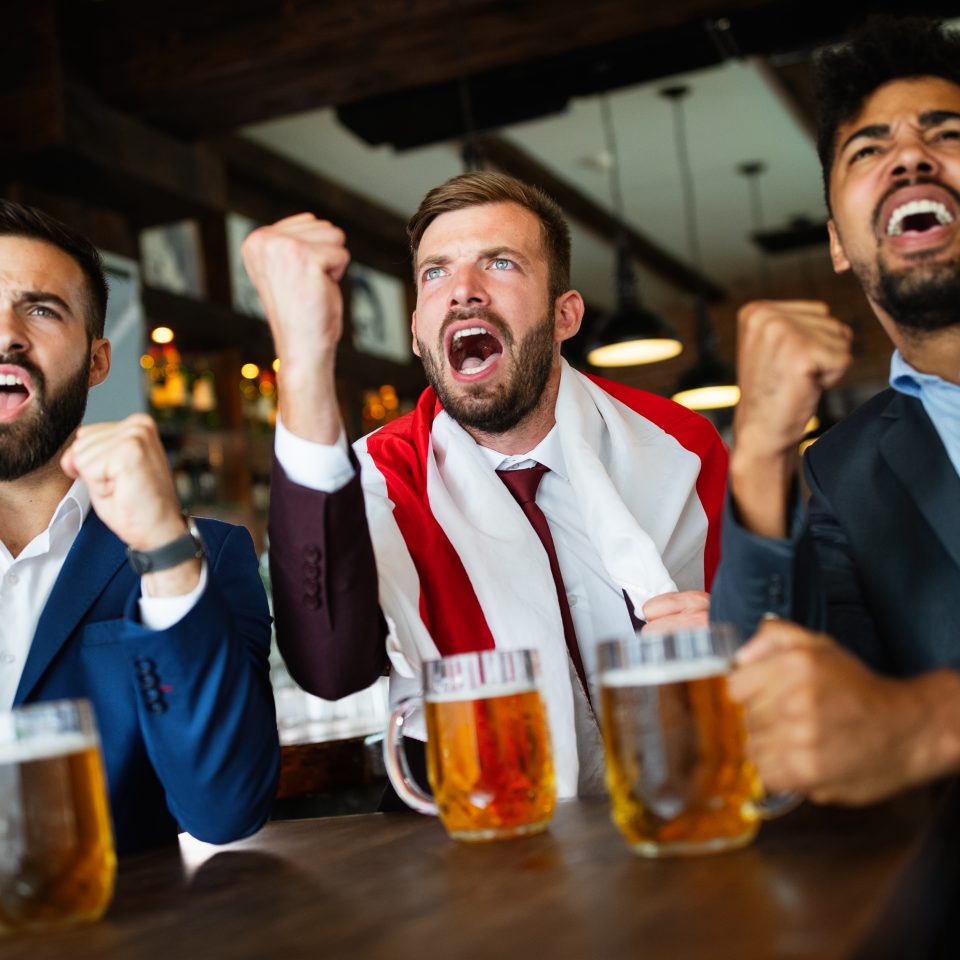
[107, 592]
[875, 561]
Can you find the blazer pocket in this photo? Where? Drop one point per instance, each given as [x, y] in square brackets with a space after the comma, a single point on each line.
[102, 632]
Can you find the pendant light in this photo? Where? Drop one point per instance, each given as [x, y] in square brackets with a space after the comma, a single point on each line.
[751, 171]
[633, 334]
[711, 383]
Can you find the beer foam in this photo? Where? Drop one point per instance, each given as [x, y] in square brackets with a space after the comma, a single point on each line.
[41, 748]
[655, 674]
[486, 692]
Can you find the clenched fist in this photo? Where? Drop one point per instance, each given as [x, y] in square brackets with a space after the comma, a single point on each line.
[124, 467]
[296, 265]
[788, 353]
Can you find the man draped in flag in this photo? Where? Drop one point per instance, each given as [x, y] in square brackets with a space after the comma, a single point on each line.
[626, 486]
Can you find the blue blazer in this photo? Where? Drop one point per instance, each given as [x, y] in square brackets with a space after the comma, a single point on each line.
[876, 560]
[186, 715]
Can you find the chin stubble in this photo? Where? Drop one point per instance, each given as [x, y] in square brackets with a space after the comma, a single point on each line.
[922, 299]
[495, 410]
[30, 443]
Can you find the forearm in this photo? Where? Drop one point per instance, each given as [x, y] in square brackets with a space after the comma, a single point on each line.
[324, 579]
[757, 576]
[207, 716]
[760, 485]
[307, 397]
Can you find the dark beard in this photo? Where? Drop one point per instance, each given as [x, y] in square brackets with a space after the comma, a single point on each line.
[32, 441]
[923, 299]
[497, 410]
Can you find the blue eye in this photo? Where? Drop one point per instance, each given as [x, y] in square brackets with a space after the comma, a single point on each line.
[431, 273]
[501, 263]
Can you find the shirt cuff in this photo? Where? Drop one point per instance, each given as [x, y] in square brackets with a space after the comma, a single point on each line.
[161, 613]
[318, 466]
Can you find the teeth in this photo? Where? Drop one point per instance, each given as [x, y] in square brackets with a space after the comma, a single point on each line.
[895, 224]
[468, 332]
[10, 380]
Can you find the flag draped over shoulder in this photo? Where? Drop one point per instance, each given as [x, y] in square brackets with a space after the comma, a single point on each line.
[461, 569]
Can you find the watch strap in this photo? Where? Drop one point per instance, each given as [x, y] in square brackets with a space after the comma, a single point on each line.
[189, 546]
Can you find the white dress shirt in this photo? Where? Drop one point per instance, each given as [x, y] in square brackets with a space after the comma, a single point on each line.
[597, 606]
[27, 580]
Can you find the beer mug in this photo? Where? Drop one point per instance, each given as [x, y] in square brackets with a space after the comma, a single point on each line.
[676, 765]
[488, 746]
[57, 862]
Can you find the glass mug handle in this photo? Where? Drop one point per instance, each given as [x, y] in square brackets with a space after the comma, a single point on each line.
[395, 758]
[773, 805]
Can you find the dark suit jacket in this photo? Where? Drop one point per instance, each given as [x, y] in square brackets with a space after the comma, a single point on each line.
[325, 600]
[876, 562]
[186, 715]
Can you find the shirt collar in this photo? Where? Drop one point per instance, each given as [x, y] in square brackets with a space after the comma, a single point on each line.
[907, 379]
[548, 451]
[66, 521]
[73, 508]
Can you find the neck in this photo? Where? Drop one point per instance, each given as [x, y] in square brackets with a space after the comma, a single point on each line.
[531, 429]
[936, 353]
[27, 504]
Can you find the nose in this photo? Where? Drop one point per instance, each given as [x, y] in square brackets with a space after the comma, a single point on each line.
[13, 335]
[468, 289]
[912, 158]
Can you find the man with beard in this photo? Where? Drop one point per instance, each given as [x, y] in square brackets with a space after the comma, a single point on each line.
[625, 486]
[876, 560]
[108, 593]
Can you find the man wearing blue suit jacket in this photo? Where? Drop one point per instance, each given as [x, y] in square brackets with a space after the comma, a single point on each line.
[106, 591]
[876, 561]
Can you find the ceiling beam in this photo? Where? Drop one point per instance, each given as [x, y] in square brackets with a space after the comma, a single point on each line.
[80, 147]
[511, 159]
[194, 68]
[792, 80]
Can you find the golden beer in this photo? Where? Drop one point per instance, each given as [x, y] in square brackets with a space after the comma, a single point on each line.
[677, 773]
[57, 861]
[489, 762]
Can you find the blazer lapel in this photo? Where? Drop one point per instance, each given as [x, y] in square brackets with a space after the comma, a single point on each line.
[94, 558]
[913, 450]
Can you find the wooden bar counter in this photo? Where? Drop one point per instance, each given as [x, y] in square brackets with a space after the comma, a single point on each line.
[813, 885]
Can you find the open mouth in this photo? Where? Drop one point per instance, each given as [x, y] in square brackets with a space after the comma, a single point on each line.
[918, 216]
[14, 394]
[473, 350]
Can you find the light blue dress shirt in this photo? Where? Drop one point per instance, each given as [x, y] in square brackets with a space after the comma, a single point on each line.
[940, 398]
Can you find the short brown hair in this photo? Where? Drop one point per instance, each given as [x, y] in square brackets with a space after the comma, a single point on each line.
[480, 187]
[18, 220]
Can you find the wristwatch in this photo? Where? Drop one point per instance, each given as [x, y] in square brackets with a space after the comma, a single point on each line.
[190, 546]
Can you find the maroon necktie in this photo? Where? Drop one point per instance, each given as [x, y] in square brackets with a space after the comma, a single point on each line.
[523, 485]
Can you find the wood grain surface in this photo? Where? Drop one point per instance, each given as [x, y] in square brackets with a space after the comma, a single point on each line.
[393, 886]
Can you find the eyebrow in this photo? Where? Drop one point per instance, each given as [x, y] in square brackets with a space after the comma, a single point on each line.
[437, 260]
[44, 296]
[495, 252]
[877, 131]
